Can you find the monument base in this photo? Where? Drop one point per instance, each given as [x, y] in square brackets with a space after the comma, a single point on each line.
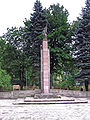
[46, 96]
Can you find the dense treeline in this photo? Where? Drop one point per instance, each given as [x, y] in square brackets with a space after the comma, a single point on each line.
[20, 47]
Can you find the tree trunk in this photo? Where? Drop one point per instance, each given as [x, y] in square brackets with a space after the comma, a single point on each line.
[86, 85]
[20, 76]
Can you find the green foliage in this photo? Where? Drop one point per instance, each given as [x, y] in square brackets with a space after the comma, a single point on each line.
[67, 82]
[5, 79]
[82, 44]
[15, 37]
[2, 48]
[34, 28]
[60, 39]
[15, 61]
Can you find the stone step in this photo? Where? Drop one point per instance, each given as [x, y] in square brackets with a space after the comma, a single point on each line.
[51, 102]
[47, 100]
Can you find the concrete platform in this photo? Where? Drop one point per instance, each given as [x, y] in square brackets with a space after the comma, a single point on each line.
[61, 102]
[29, 100]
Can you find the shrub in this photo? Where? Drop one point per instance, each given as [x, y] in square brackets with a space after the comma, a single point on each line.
[5, 80]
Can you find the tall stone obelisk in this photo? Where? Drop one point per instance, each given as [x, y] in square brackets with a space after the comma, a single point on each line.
[45, 70]
[45, 64]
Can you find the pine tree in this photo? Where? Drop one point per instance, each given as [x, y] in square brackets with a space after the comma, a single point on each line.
[34, 30]
[82, 45]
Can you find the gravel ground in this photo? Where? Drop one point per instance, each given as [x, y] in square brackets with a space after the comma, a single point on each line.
[8, 111]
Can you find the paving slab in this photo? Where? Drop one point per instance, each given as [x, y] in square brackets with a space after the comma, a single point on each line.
[46, 112]
[8, 111]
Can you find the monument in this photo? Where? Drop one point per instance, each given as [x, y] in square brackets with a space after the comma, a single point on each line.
[45, 64]
[45, 70]
[45, 97]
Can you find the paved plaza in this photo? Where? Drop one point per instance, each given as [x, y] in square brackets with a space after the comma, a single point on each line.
[8, 111]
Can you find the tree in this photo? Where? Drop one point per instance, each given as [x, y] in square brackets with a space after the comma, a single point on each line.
[82, 45]
[15, 61]
[59, 38]
[15, 37]
[5, 79]
[34, 30]
[2, 48]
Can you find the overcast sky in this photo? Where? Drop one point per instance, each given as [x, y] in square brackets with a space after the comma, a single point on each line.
[14, 12]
